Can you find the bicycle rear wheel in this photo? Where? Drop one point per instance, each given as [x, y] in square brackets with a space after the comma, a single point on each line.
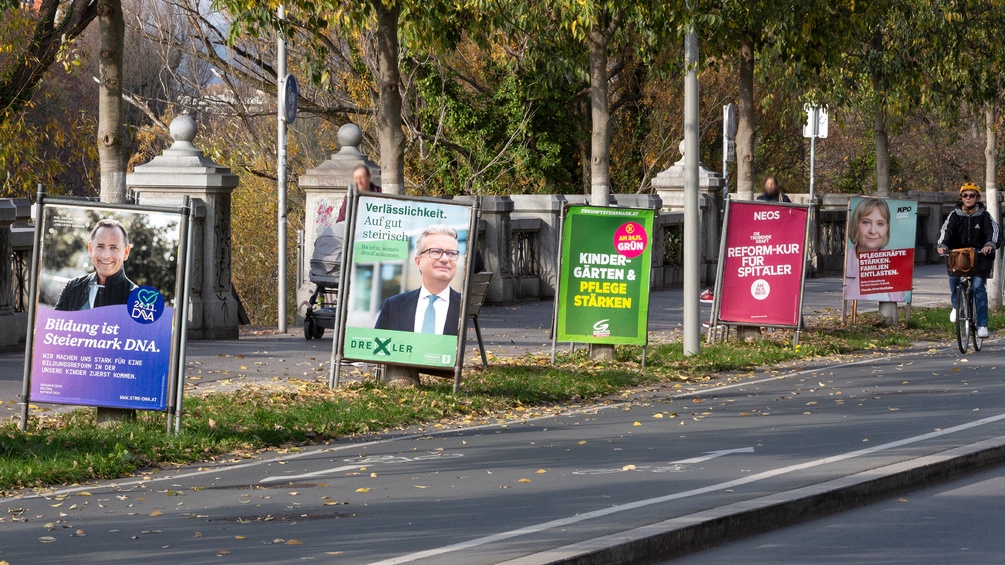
[962, 318]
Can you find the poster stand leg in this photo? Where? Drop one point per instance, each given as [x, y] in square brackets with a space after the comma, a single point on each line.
[29, 340]
[645, 350]
[336, 372]
[558, 283]
[335, 361]
[907, 308]
[183, 330]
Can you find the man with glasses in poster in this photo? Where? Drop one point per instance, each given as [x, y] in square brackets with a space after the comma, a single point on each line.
[970, 225]
[434, 308]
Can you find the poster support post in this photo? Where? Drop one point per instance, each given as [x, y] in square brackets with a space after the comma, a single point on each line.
[462, 335]
[558, 286]
[29, 340]
[335, 364]
[184, 262]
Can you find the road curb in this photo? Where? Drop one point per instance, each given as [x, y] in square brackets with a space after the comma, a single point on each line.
[694, 532]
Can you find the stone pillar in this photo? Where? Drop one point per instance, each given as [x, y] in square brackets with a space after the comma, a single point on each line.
[325, 186]
[13, 325]
[183, 170]
[497, 248]
[669, 185]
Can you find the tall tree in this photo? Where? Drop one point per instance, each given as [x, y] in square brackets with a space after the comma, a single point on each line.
[56, 23]
[112, 138]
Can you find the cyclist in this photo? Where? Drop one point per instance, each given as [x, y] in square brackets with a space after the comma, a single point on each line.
[970, 225]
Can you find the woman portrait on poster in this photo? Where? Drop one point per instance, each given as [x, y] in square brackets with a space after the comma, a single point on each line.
[868, 230]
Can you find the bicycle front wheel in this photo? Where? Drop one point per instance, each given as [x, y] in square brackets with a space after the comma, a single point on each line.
[978, 342]
[963, 318]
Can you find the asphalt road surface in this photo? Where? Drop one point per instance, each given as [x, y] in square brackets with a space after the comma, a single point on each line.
[530, 484]
[956, 522]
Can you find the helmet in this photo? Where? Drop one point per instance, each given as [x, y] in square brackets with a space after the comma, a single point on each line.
[970, 186]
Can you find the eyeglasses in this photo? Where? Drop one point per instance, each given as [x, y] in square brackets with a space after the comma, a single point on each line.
[435, 253]
[968, 195]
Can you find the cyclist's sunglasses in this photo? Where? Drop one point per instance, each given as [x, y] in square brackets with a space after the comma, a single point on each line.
[969, 195]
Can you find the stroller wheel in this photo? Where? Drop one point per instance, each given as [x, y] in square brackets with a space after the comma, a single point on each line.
[310, 329]
[319, 331]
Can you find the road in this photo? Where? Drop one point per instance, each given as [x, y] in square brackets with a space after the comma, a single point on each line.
[525, 488]
[955, 522]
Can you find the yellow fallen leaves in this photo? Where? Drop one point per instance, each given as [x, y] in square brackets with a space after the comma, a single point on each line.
[541, 471]
[658, 415]
[637, 424]
[628, 468]
[156, 513]
[362, 489]
[525, 481]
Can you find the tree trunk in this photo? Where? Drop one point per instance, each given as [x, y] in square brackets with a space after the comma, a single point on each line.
[600, 140]
[994, 207]
[111, 133]
[389, 132]
[882, 150]
[879, 122]
[600, 113]
[745, 123]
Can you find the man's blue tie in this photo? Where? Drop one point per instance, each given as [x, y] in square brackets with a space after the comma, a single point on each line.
[429, 318]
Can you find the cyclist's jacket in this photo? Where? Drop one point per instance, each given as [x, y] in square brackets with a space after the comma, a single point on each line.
[972, 230]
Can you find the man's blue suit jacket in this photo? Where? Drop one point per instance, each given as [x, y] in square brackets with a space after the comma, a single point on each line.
[398, 312]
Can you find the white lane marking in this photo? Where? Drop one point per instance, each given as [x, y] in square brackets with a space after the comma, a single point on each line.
[359, 462]
[680, 495]
[676, 465]
[712, 455]
[364, 445]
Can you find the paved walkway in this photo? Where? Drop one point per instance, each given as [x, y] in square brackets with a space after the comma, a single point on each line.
[268, 357]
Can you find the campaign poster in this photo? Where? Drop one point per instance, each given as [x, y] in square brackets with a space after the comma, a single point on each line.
[105, 307]
[763, 264]
[604, 280]
[407, 273]
[879, 256]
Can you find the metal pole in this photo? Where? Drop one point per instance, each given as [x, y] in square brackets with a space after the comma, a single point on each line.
[558, 281]
[692, 260]
[179, 310]
[811, 232]
[29, 339]
[183, 330]
[281, 174]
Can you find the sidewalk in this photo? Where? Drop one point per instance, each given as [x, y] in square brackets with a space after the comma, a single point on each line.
[264, 357]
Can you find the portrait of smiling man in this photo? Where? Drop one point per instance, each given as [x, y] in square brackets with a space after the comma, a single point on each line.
[108, 249]
[433, 308]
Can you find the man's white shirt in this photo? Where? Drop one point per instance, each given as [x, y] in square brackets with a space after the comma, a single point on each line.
[441, 306]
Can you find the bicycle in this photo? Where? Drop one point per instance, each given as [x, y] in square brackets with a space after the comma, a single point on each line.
[966, 311]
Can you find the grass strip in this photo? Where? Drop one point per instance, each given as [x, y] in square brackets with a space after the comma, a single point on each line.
[71, 447]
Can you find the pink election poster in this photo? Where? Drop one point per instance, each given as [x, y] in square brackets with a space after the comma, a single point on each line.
[763, 264]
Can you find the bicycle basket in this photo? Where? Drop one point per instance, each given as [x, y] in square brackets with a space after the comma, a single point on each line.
[960, 262]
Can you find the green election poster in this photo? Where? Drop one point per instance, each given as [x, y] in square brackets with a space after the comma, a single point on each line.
[604, 280]
[406, 278]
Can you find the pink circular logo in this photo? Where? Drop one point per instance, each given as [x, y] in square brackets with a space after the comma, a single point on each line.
[631, 240]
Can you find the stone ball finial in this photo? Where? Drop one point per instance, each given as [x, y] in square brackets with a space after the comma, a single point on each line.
[183, 128]
[681, 147]
[350, 135]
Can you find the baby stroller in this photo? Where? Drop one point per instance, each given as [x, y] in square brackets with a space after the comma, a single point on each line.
[326, 265]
